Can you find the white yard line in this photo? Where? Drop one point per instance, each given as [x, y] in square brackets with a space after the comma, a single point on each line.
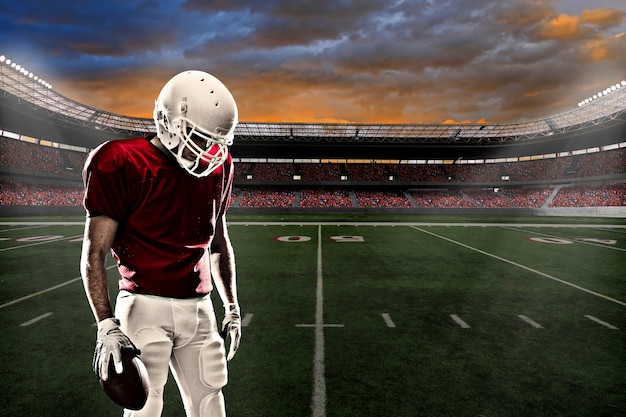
[578, 287]
[387, 319]
[35, 320]
[63, 284]
[21, 228]
[459, 321]
[601, 322]
[428, 224]
[43, 242]
[530, 321]
[318, 402]
[246, 320]
[319, 382]
[374, 224]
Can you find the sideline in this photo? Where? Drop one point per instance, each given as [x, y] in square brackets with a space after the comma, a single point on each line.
[374, 224]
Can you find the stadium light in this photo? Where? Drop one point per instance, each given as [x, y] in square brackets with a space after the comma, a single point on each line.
[23, 71]
[600, 94]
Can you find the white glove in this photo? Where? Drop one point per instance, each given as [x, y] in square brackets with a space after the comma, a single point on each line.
[231, 326]
[111, 340]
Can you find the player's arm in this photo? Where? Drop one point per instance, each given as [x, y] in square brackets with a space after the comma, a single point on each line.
[99, 234]
[224, 277]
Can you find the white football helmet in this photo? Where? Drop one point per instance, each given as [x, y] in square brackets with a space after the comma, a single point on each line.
[195, 117]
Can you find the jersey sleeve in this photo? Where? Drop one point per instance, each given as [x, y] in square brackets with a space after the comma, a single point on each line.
[106, 190]
[228, 185]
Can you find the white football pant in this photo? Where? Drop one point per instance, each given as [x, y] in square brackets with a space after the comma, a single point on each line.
[180, 334]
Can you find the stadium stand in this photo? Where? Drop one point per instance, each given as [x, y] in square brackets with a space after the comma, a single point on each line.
[569, 160]
[37, 161]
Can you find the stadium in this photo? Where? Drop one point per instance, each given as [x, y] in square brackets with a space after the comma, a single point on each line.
[468, 269]
[573, 160]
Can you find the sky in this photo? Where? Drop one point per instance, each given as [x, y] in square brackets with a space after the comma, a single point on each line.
[328, 61]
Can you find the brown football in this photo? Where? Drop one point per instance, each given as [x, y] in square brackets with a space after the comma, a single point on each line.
[130, 388]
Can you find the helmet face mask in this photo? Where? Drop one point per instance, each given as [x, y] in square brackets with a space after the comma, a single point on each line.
[195, 117]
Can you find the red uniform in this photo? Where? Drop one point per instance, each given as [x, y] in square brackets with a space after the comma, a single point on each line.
[166, 217]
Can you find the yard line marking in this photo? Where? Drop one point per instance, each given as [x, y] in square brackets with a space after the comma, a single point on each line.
[573, 239]
[21, 228]
[63, 284]
[35, 320]
[40, 243]
[319, 383]
[429, 224]
[543, 274]
[387, 319]
[459, 321]
[604, 323]
[246, 320]
[530, 321]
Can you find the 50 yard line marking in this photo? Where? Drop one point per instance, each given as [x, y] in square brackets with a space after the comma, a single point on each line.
[318, 402]
[319, 383]
[578, 287]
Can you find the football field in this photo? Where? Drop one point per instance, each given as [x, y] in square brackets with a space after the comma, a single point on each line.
[356, 315]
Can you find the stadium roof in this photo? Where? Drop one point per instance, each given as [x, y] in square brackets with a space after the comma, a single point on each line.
[25, 96]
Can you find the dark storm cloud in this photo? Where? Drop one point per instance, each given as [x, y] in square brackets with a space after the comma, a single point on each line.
[330, 60]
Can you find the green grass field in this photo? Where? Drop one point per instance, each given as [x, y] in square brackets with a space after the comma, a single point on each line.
[355, 315]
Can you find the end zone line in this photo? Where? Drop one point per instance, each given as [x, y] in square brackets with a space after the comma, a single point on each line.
[543, 274]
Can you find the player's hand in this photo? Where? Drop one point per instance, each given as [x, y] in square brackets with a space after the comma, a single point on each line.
[111, 340]
[231, 326]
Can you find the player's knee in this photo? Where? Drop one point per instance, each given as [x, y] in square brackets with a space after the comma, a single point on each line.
[213, 404]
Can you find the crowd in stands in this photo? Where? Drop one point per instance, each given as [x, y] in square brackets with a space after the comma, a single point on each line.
[268, 198]
[384, 199]
[591, 196]
[29, 156]
[533, 197]
[440, 199]
[20, 194]
[16, 193]
[595, 164]
[325, 198]
[486, 198]
[66, 164]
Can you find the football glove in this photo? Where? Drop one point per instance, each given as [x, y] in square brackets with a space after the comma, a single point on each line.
[231, 326]
[111, 340]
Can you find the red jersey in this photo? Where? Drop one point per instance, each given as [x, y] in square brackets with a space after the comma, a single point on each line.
[166, 216]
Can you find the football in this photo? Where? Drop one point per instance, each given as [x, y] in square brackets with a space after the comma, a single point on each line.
[130, 388]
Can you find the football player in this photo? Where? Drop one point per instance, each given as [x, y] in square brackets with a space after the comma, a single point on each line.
[158, 205]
